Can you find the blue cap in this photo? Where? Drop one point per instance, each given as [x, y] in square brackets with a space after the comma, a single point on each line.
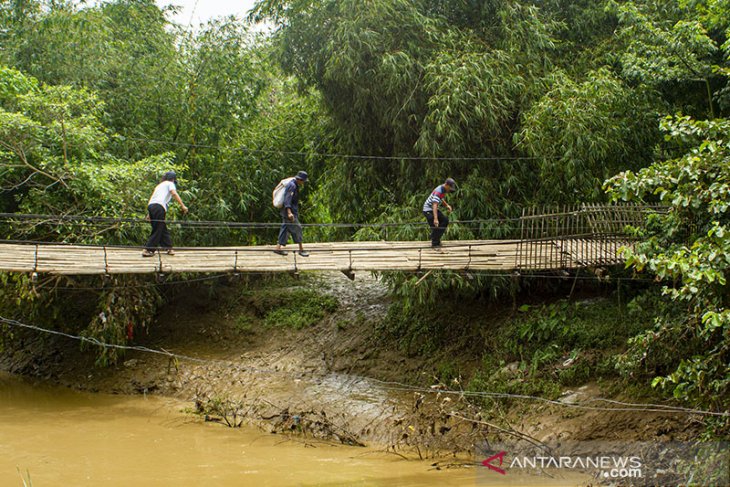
[302, 175]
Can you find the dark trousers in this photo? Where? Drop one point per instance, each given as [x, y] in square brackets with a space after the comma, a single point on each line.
[160, 236]
[288, 227]
[437, 232]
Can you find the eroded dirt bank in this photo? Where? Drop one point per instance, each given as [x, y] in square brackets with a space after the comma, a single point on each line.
[336, 379]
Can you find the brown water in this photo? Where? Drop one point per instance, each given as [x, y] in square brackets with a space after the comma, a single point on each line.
[67, 438]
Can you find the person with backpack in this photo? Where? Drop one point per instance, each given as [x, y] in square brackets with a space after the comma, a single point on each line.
[156, 211]
[286, 197]
[435, 218]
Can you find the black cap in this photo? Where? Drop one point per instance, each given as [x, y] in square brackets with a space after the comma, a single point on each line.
[302, 175]
[170, 176]
[450, 182]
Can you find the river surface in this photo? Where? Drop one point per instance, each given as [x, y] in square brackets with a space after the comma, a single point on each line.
[62, 437]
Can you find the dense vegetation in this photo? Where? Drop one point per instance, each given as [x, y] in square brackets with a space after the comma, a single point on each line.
[522, 102]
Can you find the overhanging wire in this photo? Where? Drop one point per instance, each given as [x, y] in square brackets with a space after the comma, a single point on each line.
[333, 155]
[15, 217]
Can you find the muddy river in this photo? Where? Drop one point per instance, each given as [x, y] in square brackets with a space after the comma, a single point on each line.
[66, 438]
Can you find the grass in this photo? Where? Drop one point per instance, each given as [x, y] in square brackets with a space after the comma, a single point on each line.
[420, 331]
[548, 347]
[538, 350]
[296, 308]
[245, 323]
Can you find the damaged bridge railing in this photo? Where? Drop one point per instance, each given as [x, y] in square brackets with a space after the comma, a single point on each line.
[585, 235]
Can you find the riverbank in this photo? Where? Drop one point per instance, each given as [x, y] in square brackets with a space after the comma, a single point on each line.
[337, 378]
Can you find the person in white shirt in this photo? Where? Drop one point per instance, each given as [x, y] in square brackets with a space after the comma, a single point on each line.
[156, 211]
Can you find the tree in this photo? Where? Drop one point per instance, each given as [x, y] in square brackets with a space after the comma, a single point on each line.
[667, 48]
[54, 160]
[688, 246]
[586, 132]
[122, 50]
[413, 79]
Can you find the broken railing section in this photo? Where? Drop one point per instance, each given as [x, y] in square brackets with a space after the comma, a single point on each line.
[584, 235]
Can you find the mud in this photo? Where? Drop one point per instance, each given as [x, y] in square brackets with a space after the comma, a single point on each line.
[322, 382]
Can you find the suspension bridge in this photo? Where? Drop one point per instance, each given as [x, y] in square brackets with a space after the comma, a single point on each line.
[566, 238]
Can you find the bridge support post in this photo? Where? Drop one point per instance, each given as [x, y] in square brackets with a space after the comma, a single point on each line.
[348, 272]
[513, 288]
[575, 281]
[106, 262]
[34, 276]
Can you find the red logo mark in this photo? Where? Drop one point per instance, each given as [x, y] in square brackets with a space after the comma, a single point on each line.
[488, 462]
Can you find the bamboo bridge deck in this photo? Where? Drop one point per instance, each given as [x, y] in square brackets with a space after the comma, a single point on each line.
[586, 235]
[477, 255]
